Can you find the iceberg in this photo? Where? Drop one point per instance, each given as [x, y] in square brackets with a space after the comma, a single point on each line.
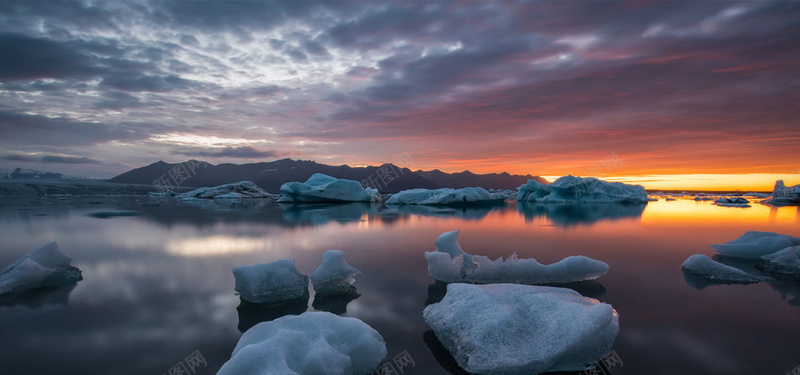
[701, 265]
[445, 197]
[571, 189]
[270, 283]
[450, 264]
[786, 262]
[522, 329]
[732, 202]
[754, 245]
[785, 196]
[44, 267]
[323, 188]
[312, 343]
[236, 190]
[334, 275]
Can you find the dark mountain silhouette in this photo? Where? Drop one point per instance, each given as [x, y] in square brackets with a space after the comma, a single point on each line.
[467, 179]
[387, 178]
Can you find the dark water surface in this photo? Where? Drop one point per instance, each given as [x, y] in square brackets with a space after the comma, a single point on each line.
[158, 284]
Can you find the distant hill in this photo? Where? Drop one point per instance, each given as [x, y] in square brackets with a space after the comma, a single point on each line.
[271, 175]
[387, 178]
[28, 174]
[466, 179]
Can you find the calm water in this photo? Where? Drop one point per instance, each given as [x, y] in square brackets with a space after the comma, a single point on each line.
[158, 285]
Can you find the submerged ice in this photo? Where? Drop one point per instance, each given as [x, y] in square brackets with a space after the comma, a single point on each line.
[44, 267]
[313, 343]
[754, 245]
[571, 189]
[701, 265]
[446, 196]
[522, 329]
[334, 275]
[274, 282]
[450, 264]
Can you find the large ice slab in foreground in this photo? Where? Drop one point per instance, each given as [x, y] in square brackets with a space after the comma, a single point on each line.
[522, 329]
[323, 188]
[786, 261]
[313, 343]
[571, 189]
[701, 265]
[754, 245]
[450, 264]
[269, 283]
[785, 196]
[446, 196]
[236, 190]
[334, 275]
[44, 267]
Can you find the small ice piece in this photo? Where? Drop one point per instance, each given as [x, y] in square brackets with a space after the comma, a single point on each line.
[706, 267]
[754, 245]
[323, 188]
[44, 267]
[450, 264]
[270, 283]
[445, 197]
[786, 261]
[571, 189]
[312, 343]
[334, 275]
[732, 202]
[506, 329]
[237, 190]
[757, 195]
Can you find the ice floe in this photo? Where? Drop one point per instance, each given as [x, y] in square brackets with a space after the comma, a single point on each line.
[323, 188]
[701, 265]
[44, 267]
[236, 190]
[754, 245]
[334, 275]
[570, 189]
[270, 283]
[446, 196]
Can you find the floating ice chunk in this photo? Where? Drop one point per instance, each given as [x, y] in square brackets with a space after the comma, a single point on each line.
[324, 188]
[704, 266]
[313, 343]
[44, 267]
[166, 193]
[757, 195]
[522, 329]
[236, 190]
[269, 283]
[334, 275]
[753, 245]
[786, 261]
[452, 265]
[571, 189]
[732, 202]
[670, 199]
[446, 196]
[785, 196]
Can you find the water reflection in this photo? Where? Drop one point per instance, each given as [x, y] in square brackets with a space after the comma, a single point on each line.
[463, 212]
[336, 304]
[575, 214]
[251, 314]
[56, 296]
[321, 213]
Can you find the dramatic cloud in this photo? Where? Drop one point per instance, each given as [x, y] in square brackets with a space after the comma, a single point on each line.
[525, 86]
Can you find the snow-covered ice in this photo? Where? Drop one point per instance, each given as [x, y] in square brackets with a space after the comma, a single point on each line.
[754, 245]
[785, 196]
[522, 329]
[323, 188]
[570, 189]
[334, 275]
[732, 202]
[236, 190]
[757, 195]
[269, 283]
[450, 264]
[446, 196]
[786, 261]
[712, 270]
[313, 343]
[44, 267]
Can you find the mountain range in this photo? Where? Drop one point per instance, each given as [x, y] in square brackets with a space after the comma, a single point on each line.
[387, 178]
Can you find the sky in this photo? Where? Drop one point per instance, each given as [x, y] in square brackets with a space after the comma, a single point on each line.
[549, 88]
